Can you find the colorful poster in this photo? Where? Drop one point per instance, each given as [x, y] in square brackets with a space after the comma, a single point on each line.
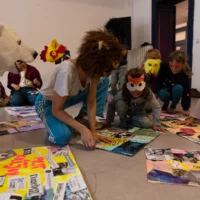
[23, 125]
[125, 142]
[173, 166]
[168, 117]
[43, 173]
[23, 111]
[190, 132]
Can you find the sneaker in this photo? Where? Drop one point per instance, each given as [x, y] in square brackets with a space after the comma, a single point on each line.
[194, 93]
[165, 107]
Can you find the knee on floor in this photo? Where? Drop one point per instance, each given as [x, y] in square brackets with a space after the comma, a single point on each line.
[60, 139]
[144, 123]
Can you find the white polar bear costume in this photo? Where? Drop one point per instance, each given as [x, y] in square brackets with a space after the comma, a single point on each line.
[13, 48]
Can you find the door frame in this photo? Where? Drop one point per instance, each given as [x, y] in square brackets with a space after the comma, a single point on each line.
[190, 27]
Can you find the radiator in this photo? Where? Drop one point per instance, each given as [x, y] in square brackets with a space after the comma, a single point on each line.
[136, 56]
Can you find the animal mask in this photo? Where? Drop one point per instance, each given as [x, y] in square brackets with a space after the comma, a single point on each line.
[12, 48]
[152, 66]
[136, 83]
[53, 52]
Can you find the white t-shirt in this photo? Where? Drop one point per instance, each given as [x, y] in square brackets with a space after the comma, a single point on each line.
[64, 81]
[195, 112]
[22, 79]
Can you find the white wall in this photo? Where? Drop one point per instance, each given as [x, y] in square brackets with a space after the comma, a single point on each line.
[141, 22]
[196, 47]
[40, 21]
[141, 32]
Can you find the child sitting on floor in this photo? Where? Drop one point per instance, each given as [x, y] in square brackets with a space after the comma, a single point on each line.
[129, 103]
[175, 82]
[24, 85]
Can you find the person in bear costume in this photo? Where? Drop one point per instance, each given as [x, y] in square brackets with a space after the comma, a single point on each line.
[12, 48]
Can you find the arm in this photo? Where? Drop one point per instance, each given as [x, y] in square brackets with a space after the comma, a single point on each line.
[3, 93]
[186, 99]
[91, 105]
[91, 110]
[12, 80]
[60, 114]
[110, 112]
[185, 102]
[36, 76]
[156, 109]
[9, 81]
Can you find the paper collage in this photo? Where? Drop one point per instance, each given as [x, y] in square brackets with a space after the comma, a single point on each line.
[42, 173]
[190, 132]
[27, 120]
[126, 142]
[21, 125]
[22, 111]
[173, 166]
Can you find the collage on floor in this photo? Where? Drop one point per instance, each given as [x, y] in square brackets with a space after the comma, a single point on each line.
[41, 173]
[173, 166]
[26, 120]
[57, 176]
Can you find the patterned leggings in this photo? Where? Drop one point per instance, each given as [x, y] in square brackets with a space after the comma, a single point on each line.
[174, 95]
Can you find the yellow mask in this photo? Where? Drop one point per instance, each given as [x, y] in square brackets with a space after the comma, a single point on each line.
[53, 52]
[152, 66]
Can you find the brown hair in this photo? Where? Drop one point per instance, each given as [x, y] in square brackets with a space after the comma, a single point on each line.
[135, 73]
[180, 56]
[151, 54]
[97, 52]
[20, 62]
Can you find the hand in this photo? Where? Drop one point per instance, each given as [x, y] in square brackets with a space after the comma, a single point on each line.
[159, 128]
[87, 138]
[36, 82]
[8, 98]
[16, 87]
[99, 138]
[186, 112]
[186, 122]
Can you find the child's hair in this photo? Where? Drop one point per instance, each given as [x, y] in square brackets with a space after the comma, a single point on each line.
[97, 52]
[135, 73]
[114, 27]
[152, 54]
[180, 56]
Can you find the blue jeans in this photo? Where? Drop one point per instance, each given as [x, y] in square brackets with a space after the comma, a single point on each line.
[141, 120]
[23, 96]
[138, 119]
[58, 132]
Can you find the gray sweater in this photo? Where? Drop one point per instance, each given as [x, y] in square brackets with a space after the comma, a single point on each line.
[133, 107]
